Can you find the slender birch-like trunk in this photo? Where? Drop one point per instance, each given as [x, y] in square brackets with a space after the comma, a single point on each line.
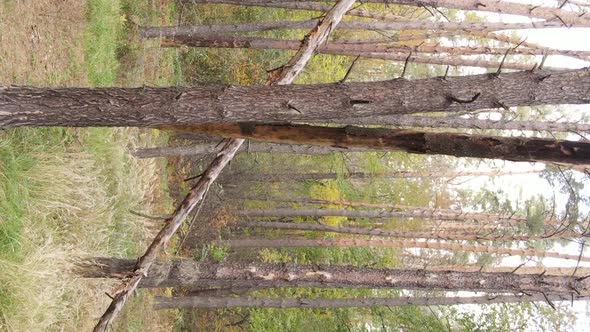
[187, 31]
[219, 41]
[289, 177]
[399, 207]
[567, 18]
[386, 243]
[550, 271]
[253, 147]
[460, 227]
[191, 302]
[523, 46]
[401, 235]
[386, 211]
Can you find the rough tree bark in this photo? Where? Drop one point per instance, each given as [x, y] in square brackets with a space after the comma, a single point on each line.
[361, 50]
[190, 302]
[27, 106]
[344, 242]
[285, 76]
[451, 144]
[187, 273]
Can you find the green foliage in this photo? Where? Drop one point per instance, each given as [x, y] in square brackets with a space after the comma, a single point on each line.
[508, 317]
[490, 201]
[536, 212]
[211, 251]
[409, 318]
[290, 320]
[218, 253]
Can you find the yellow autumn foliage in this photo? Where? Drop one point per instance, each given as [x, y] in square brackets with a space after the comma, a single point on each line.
[328, 191]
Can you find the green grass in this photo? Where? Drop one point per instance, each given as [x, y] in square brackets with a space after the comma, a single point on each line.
[103, 32]
[16, 190]
[17, 148]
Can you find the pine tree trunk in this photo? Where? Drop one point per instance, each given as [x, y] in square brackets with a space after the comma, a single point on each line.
[381, 243]
[399, 207]
[253, 147]
[188, 31]
[145, 107]
[509, 39]
[192, 302]
[554, 14]
[524, 46]
[288, 177]
[316, 6]
[189, 273]
[301, 5]
[456, 227]
[390, 212]
[219, 41]
[550, 271]
[451, 144]
[398, 234]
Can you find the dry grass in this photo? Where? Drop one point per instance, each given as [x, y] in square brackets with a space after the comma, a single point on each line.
[42, 42]
[74, 210]
[66, 194]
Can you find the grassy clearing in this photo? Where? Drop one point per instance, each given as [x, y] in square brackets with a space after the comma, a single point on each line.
[66, 194]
